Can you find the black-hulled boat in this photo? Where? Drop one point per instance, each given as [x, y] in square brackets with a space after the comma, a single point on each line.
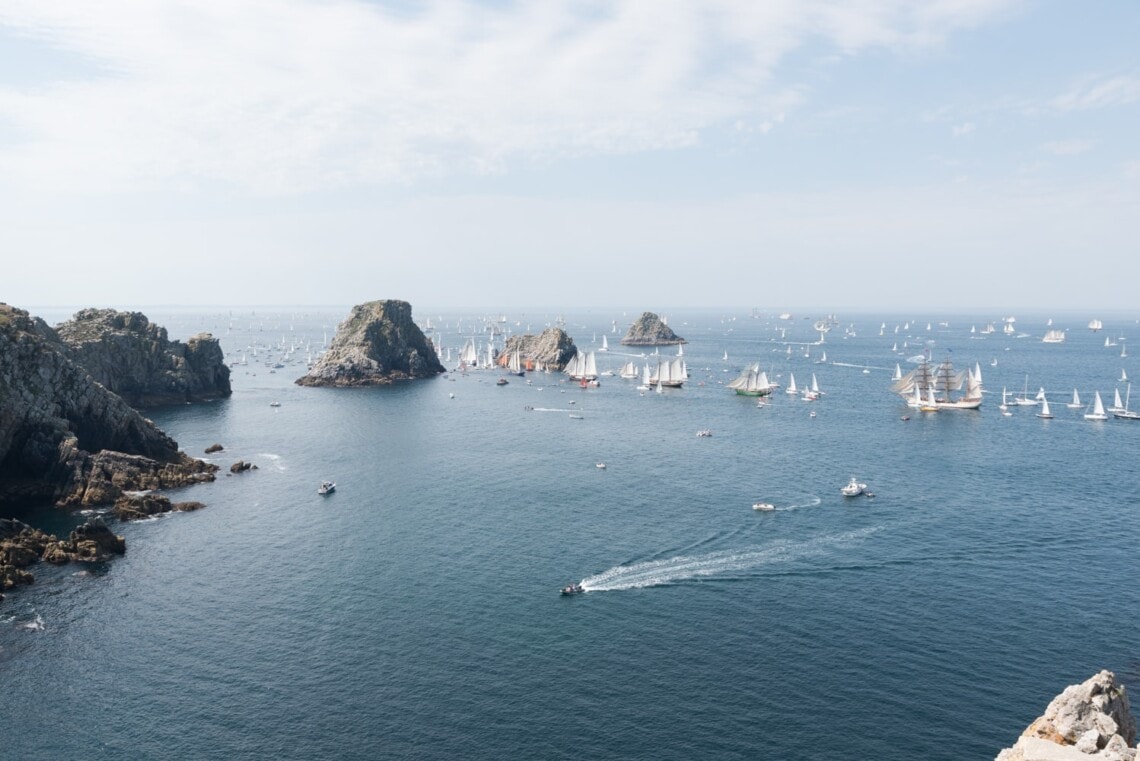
[573, 589]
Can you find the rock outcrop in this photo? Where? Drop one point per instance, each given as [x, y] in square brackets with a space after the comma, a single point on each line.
[133, 357]
[67, 439]
[21, 546]
[651, 330]
[549, 350]
[133, 507]
[1090, 721]
[377, 344]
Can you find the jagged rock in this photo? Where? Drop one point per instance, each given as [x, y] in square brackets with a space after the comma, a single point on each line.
[94, 541]
[378, 343]
[132, 507]
[1088, 721]
[241, 466]
[188, 506]
[133, 357]
[651, 330]
[214, 448]
[65, 438]
[549, 350]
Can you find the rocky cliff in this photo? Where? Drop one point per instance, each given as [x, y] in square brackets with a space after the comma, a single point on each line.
[1090, 721]
[133, 357]
[651, 330]
[67, 439]
[378, 343]
[549, 350]
[21, 546]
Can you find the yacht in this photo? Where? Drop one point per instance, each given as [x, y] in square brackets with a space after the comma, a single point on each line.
[853, 488]
[326, 487]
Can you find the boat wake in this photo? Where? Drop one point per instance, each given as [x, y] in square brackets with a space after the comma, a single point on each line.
[549, 409]
[274, 458]
[722, 563]
[813, 502]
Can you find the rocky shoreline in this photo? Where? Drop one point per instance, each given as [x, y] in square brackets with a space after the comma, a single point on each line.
[1090, 721]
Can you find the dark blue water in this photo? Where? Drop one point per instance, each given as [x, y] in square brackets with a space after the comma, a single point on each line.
[414, 613]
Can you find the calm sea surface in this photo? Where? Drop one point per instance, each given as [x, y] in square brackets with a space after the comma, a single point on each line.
[415, 612]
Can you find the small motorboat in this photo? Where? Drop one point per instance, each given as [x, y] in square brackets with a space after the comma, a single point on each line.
[275, 404]
[764, 506]
[326, 487]
[853, 488]
[573, 589]
[501, 382]
[600, 465]
[704, 433]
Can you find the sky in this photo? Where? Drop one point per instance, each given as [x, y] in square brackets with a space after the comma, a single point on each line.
[868, 154]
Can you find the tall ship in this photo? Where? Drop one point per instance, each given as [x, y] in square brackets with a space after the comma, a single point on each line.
[752, 382]
[670, 373]
[933, 387]
[1054, 337]
[582, 367]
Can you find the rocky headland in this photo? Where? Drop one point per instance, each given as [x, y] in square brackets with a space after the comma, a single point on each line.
[651, 330]
[1090, 721]
[549, 350]
[135, 359]
[378, 343]
[68, 440]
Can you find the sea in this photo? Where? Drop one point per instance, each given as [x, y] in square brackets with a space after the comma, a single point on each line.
[415, 612]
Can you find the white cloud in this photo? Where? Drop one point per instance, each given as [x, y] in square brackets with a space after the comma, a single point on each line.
[279, 97]
[963, 129]
[1067, 147]
[1100, 93]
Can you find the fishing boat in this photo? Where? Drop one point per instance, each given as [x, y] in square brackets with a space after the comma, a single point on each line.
[1097, 409]
[853, 488]
[572, 589]
[763, 506]
[751, 382]
[1076, 403]
[326, 487]
[930, 386]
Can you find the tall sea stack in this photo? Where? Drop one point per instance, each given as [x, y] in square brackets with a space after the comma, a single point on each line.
[549, 350]
[377, 344]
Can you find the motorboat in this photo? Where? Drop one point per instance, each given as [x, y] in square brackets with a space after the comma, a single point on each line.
[326, 487]
[600, 465]
[275, 404]
[573, 589]
[501, 382]
[764, 506]
[853, 488]
[704, 433]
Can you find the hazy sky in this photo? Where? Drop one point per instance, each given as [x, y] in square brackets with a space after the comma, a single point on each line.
[871, 154]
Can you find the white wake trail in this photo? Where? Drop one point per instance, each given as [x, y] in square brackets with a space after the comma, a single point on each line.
[668, 570]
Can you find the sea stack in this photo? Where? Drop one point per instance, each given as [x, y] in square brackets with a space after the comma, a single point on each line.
[1090, 720]
[651, 330]
[549, 350]
[133, 357]
[378, 343]
[65, 438]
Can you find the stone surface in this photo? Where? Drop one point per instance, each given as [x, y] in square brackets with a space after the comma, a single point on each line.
[214, 448]
[651, 330]
[135, 359]
[21, 546]
[1089, 721]
[67, 439]
[241, 466]
[378, 343]
[549, 350]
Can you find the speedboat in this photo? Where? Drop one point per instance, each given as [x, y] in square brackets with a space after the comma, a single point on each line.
[765, 506]
[853, 488]
[326, 487]
[573, 589]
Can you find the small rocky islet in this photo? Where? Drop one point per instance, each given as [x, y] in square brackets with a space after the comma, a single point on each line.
[651, 330]
[549, 350]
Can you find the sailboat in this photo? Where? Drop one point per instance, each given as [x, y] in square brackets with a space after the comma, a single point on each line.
[1095, 325]
[1024, 400]
[1123, 376]
[791, 389]
[628, 371]
[1097, 411]
[898, 372]
[469, 357]
[582, 367]
[726, 355]
[1125, 414]
[1004, 404]
[1044, 413]
[645, 379]
[934, 384]
[813, 393]
[1117, 405]
[751, 382]
[605, 344]
[1076, 403]
[822, 359]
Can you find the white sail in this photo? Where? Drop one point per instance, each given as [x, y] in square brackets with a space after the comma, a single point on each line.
[1123, 376]
[605, 345]
[1044, 413]
[1098, 409]
[791, 389]
[1076, 403]
[591, 369]
[1117, 405]
[1095, 325]
[515, 363]
[898, 372]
